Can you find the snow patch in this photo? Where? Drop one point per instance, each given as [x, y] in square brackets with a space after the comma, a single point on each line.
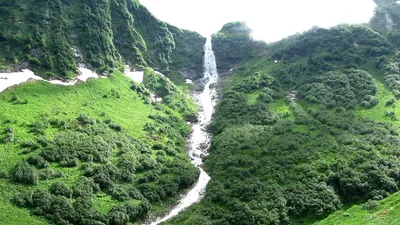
[159, 73]
[134, 75]
[60, 82]
[188, 81]
[155, 99]
[389, 21]
[11, 79]
[398, 2]
[85, 74]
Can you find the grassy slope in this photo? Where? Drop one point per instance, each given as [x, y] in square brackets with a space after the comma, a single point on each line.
[389, 208]
[69, 102]
[388, 212]
[65, 102]
[378, 112]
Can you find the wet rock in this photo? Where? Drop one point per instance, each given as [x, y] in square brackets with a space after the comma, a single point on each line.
[203, 146]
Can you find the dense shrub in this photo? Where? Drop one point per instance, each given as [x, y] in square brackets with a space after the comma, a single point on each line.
[393, 81]
[38, 162]
[60, 189]
[23, 199]
[84, 188]
[345, 90]
[370, 205]
[24, 173]
[118, 216]
[119, 193]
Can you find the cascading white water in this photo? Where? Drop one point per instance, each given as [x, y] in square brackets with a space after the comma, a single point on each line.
[200, 139]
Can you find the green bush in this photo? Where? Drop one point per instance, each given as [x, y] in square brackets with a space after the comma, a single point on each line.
[38, 162]
[119, 193]
[84, 188]
[60, 189]
[23, 199]
[342, 90]
[24, 173]
[48, 173]
[118, 216]
[370, 205]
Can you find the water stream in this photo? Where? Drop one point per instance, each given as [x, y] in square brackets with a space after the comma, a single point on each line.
[200, 139]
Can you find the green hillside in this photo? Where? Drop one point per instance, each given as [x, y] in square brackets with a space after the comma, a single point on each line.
[100, 152]
[383, 212]
[96, 152]
[306, 127]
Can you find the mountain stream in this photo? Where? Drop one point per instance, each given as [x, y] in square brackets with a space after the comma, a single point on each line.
[200, 139]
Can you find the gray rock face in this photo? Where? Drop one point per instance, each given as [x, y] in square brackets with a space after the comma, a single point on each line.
[193, 74]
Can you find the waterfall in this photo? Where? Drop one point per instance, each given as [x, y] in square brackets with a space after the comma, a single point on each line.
[200, 139]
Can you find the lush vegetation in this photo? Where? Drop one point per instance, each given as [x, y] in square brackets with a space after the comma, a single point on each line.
[372, 212]
[55, 37]
[100, 152]
[170, 94]
[107, 151]
[306, 130]
[305, 127]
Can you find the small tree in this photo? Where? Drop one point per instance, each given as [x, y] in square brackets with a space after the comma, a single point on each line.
[23, 199]
[118, 216]
[84, 188]
[60, 189]
[24, 173]
[371, 204]
[390, 102]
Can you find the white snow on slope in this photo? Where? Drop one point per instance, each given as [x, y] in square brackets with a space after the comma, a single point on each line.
[86, 74]
[12, 79]
[134, 75]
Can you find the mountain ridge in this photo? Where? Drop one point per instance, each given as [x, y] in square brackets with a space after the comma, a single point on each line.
[104, 35]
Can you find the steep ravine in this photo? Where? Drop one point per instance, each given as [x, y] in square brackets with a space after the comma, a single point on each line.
[200, 139]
